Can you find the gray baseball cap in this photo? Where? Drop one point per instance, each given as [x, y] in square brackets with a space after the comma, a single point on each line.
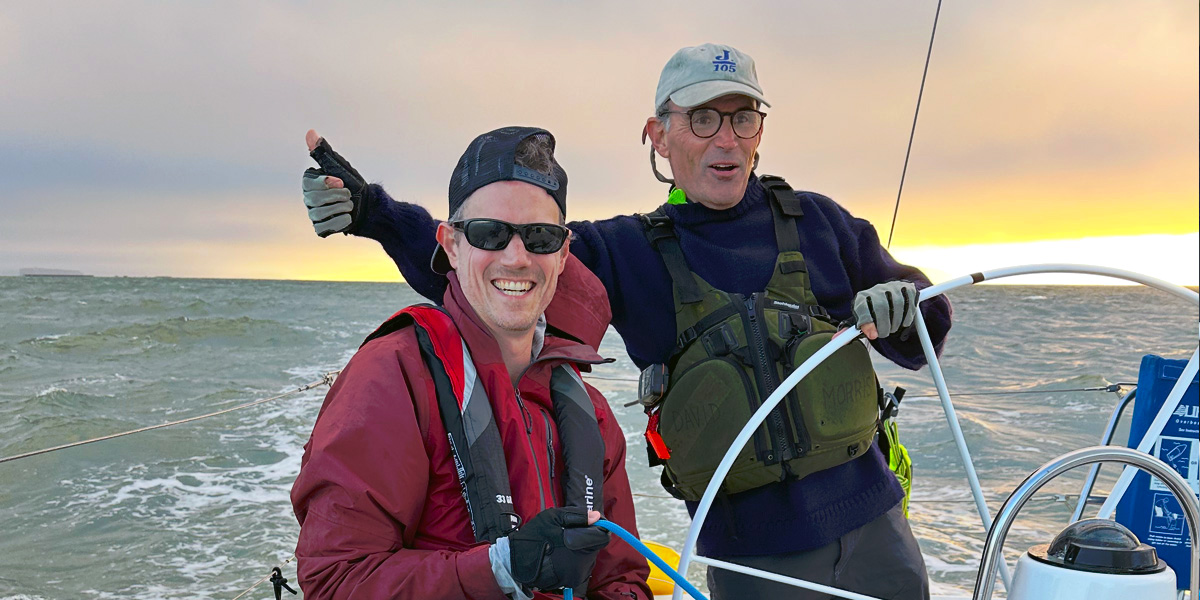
[697, 74]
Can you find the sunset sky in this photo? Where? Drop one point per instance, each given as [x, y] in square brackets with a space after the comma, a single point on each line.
[167, 138]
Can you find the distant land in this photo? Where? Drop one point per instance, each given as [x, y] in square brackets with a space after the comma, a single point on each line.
[35, 272]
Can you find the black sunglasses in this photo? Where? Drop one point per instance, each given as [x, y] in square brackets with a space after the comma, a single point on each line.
[493, 234]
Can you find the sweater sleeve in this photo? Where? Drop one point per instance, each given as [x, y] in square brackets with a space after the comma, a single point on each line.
[361, 491]
[589, 247]
[620, 572]
[407, 233]
[876, 265]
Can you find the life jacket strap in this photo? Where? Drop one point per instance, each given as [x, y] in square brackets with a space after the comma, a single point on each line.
[785, 209]
[582, 443]
[661, 234]
[690, 334]
[473, 434]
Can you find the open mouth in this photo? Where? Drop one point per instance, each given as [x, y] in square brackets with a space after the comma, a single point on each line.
[509, 287]
[724, 167]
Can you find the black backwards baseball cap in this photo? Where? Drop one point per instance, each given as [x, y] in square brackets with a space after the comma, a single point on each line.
[491, 157]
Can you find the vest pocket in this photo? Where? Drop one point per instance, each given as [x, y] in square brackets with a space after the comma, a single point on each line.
[705, 408]
[838, 401]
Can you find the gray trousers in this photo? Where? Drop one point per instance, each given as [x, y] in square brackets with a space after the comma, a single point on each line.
[879, 559]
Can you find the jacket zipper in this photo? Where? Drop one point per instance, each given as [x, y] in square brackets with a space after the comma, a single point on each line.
[529, 421]
[537, 469]
[549, 446]
[550, 455]
[763, 365]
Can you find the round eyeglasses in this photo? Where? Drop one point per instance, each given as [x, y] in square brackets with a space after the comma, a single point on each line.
[706, 122]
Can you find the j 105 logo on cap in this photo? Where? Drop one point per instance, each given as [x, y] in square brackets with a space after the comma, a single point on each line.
[724, 63]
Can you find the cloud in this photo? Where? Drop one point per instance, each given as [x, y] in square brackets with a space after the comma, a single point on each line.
[42, 164]
[171, 115]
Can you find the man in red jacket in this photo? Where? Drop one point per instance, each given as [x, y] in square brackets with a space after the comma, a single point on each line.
[459, 454]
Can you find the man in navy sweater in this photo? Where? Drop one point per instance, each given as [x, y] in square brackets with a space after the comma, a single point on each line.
[842, 526]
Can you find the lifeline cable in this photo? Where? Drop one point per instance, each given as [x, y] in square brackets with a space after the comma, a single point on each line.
[603, 378]
[1113, 388]
[326, 379]
[1055, 497]
[913, 133]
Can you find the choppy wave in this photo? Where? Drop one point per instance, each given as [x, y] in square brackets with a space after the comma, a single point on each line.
[31, 431]
[59, 401]
[169, 332]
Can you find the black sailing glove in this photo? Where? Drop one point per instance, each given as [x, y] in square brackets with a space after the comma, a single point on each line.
[556, 549]
[334, 210]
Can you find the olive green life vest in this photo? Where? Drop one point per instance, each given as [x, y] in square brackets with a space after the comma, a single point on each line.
[731, 353]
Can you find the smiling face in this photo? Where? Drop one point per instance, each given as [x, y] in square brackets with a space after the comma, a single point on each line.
[711, 171]
[510, 288]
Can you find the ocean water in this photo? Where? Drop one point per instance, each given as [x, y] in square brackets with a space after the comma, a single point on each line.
[201, 510]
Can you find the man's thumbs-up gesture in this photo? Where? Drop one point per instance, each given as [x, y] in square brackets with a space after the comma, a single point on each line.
[335, 194]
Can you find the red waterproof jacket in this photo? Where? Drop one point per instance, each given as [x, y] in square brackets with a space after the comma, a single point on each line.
[378, 498]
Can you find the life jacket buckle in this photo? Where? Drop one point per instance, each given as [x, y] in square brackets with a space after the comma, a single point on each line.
[794, 324]
[688, 336]
[653, 220]
[720, 342]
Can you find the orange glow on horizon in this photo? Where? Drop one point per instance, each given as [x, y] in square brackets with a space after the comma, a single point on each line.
[1173, 258]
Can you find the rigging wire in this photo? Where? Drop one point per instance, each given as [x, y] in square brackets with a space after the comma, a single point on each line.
[1041, 497]
[602, 378]
[1113, 388]
[913, 133]
[326, 379]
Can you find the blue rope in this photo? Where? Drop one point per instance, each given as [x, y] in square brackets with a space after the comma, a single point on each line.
[650, 555]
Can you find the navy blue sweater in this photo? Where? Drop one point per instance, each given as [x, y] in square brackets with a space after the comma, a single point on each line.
[734, 250]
